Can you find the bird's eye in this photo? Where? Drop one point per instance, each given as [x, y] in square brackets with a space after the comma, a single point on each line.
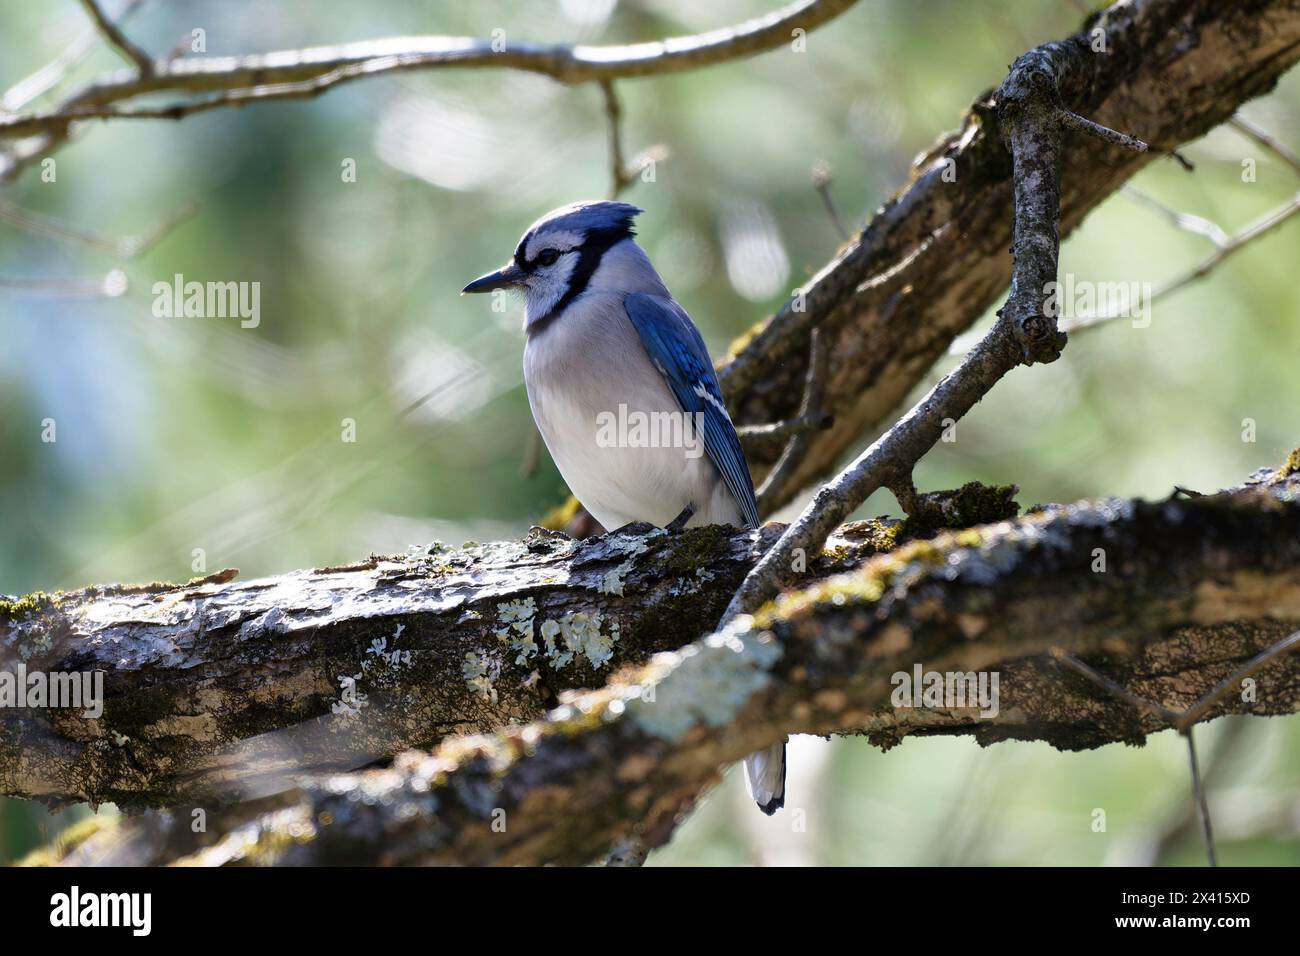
[547, 257]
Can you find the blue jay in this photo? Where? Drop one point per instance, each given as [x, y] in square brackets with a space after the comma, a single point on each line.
[603, 331]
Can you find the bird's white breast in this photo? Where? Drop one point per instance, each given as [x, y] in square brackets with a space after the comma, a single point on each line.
[580, 369]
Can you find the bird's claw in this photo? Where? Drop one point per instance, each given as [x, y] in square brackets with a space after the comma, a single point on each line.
[678, 523]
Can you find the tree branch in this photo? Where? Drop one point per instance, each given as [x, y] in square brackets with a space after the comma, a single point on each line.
[929, 263]
[286, 74]
[224, 692]
[1031, 120]
[1191, 590]
[56, 71]
[220, 690]
[1222, 252]
[117, 39]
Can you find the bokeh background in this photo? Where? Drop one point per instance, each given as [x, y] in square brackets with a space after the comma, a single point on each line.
[177, 434]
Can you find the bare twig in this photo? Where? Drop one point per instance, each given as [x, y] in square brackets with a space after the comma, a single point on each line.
[307, 72]
[1183, 817]
[108, 286]
[1183, 161]
[774, 485]
[1114, 688]
[1265, 139]
[894, 453]
[821, 178]
[1026, 332]
[532, 454]
[1225, 245]
[1221, 254]
[619, 174]
[1198, 795]
[117, 39]
[1183, 721]
[1225, 248]
[56, 71]
[125, 247]
[1182, 220]
[775, 436]
[461, 377]
[1233, 680]
[1083, 125]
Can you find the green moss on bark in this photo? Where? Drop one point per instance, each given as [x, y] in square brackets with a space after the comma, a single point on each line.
[13, 610]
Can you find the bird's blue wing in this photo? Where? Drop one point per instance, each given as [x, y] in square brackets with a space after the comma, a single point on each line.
[674, 345]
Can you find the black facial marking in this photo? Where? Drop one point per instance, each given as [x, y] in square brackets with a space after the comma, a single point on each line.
[593, 248]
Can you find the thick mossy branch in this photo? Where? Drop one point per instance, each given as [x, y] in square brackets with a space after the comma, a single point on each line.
[221, 691]
[1165, 597]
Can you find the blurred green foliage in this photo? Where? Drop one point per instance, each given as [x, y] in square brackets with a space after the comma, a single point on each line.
[185, 433]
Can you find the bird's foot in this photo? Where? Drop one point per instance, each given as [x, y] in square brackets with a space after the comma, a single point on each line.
[641, 528]
[634, 529]
[678, 523]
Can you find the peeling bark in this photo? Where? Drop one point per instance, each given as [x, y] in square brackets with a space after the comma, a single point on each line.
[1192, 589]
[218, 690]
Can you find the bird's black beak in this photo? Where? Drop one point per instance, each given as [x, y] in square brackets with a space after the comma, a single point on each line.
[504, 278]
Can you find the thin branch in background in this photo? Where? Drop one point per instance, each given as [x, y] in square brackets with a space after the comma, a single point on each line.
[1225, 246]
[119, 40]
[532, 453]
[56, 71]
[1198, 794]
[1182, 220]
[1224, 249]
[623, 173]
[1233, 680]
[108, 286]
[179, 49]
[814, 389]
[1265, 139]
[126, 247]
[762, 439]
[1183, 721]
[1221, 254]
[58, 121]
[816, 302]
[821, 179]
[308, 72]
[1185, 816]
[619, 175]
[1114, 688]
[462, 377]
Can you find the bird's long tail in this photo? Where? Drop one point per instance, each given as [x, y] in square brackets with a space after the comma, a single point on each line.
[765, 778]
